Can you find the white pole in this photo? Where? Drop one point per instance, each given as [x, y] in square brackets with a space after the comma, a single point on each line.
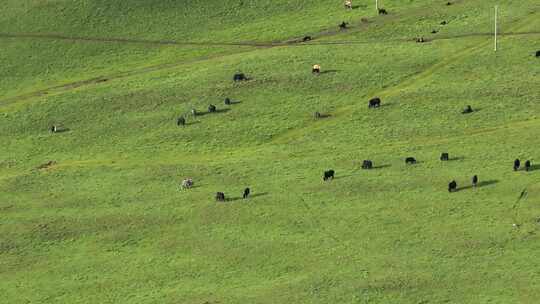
[496, 28]
[377, 5]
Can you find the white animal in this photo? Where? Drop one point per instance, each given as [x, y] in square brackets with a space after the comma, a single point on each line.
[187, 183]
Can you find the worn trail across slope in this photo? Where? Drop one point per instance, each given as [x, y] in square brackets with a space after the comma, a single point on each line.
[256, 45]
[164, 66]
[290, 43]
[394, 90]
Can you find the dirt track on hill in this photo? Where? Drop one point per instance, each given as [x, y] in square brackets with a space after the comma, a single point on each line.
[295, 42]
[143, 70]
[253, 46]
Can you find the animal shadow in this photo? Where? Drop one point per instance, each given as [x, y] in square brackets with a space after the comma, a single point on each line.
[322, 116]
[258, 194]
[342, 176]
[456, 158]
[534, 167]
[192, 123]
[329, 71]
[233, 102]
[62, 130]
[479, 185]
[254, 195]
[215, 112]
[381, 166]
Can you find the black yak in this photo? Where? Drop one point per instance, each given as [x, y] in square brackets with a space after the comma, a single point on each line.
[528, 165]
[374, 102]
[410, 160]
[246, 193]
[467, 110]
[444, 156]
[452, 186]
[517, 164]
[181, 121]
[239, 77]
[328, 175]
[367, 164]
[220, 196]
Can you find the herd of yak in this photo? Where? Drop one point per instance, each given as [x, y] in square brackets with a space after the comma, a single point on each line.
[367, 164]
[373, 103]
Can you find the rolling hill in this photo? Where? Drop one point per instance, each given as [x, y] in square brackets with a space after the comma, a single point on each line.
[96, 214]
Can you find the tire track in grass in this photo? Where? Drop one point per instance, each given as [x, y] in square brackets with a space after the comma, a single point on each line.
[360, 26]
[356, 26]
[115, 76]
[409, 82]
[163, 66]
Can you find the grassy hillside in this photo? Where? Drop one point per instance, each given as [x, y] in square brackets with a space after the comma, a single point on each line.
[107, 222]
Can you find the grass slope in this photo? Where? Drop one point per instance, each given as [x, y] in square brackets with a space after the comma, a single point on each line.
[107, 223]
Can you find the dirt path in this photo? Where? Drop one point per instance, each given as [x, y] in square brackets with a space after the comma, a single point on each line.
[294, 42]
[355, 27]
[394, 90]
[103, 79]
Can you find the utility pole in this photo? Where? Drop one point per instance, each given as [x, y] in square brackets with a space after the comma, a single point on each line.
[496, 7]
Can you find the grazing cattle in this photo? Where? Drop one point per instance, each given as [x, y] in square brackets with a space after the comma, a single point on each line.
[374, 102]
[528, 165]
[517, 164]
[348, 4]
[227, 101]
[367, 164]
[306, 38]
[54, 129]
[445, 156]
[467, 110]
[537, 54]
[434, 31]
[382, 11]
[410, 160]
[246, 193]
[239, 77]
[343, 25]
[187, 183]
[328, 175]
[475, 180]
[220, 196]
[448, 3]
[193, 112]
[452, 186]
[420, 40]
[317, 115]
[211, 108]
[444, 23]
[181, 121]
[316, 69]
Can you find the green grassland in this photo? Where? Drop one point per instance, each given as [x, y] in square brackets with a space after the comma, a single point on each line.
[107, 222]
